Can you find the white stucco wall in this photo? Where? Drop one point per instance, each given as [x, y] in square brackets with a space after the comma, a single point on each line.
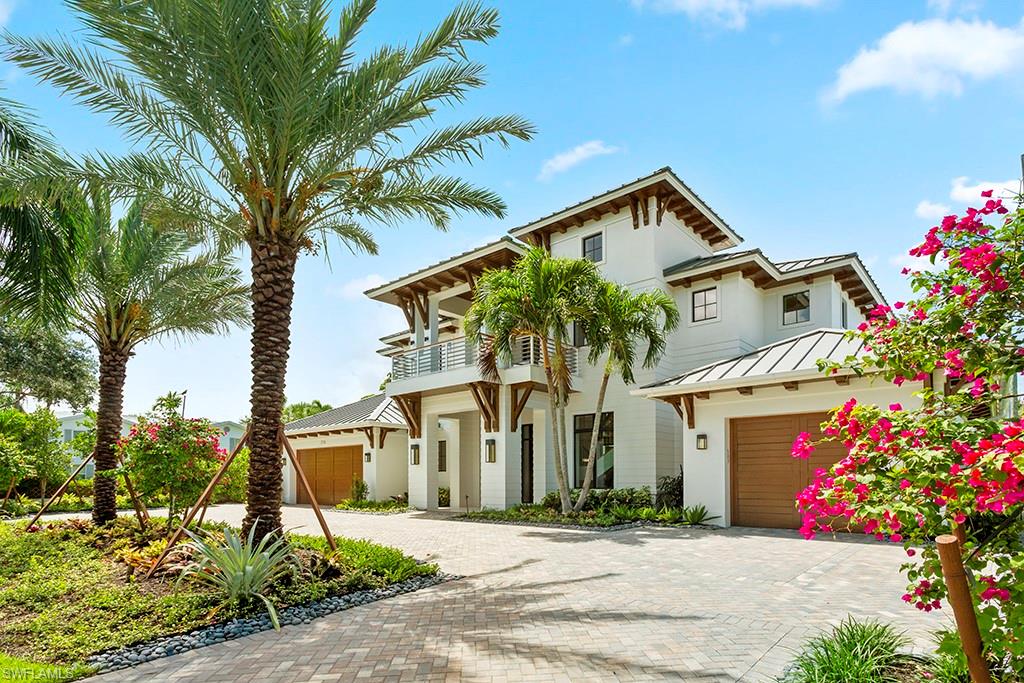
[706, 473]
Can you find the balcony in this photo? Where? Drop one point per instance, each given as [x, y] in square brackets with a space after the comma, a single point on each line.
[459, 353]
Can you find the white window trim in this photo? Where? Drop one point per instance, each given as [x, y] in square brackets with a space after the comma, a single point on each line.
[604, 245]
[782, 309]
[689, 308]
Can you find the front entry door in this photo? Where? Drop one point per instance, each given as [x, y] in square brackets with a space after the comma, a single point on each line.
[526, 434]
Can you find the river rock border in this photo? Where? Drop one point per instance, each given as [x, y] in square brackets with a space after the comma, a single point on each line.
[133, 655]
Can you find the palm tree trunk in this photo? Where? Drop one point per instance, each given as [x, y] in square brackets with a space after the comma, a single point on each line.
[588, 478]
[108, 430]
[273, 288]
[560, 474]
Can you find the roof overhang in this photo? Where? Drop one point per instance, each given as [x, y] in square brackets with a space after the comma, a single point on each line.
[671, 195]
[848, 271]
[346, 428]
[736, 383]
[411, 289]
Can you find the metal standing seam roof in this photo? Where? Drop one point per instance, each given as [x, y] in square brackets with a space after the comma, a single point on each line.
[800, 264]
[376, 408]
[703, 261]
[796, 354]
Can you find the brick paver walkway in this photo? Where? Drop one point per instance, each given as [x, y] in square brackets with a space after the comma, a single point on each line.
[560, 605]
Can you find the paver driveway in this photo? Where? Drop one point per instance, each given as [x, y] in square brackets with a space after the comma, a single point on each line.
[559, 605]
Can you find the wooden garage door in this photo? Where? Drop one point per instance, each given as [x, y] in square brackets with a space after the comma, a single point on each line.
[330, 472]
[765, 477]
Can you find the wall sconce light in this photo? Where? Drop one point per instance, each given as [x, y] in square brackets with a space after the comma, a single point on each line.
[414, 454]
[702, 442]
[490, 451]
[366, 456]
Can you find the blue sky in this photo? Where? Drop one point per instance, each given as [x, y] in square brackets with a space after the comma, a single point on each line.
[811, 126]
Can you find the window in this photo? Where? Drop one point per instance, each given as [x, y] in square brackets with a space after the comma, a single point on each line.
[579, 338]
[593, 248]
[843, 316]
[442, 456]
[796, 308]
[604, 468]
[705, 304]
[68, 435]
[232, 443]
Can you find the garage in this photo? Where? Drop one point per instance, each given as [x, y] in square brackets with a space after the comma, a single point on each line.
[330, 472]
[765, 476]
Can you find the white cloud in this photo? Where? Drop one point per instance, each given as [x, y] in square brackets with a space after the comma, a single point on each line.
[932, 211]
[563, 161]
[905, 260]
[932, 57]
[6, 7]
[353, 289]
[625, 40]
[731, 14]
[945, 7]
[962, 191]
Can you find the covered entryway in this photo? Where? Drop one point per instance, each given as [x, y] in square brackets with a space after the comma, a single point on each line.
[331, 472]
[765, 476]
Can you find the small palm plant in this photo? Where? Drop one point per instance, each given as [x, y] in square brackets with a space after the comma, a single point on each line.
[241, 571]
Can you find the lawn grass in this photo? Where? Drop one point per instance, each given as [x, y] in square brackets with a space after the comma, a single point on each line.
[70, 590]
[15, 669]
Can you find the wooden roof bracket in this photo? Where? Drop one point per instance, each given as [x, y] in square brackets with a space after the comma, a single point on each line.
[410, 404]
[519, 402]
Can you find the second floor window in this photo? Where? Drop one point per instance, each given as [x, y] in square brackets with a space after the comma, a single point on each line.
[844, 316]
[796, 308]
[705, 304]
[593, 248]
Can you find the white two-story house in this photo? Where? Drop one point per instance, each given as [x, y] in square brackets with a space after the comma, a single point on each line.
[737, 383]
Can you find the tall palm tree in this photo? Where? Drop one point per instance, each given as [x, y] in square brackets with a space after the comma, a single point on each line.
[277, 129]
[617, 320]
[37, 237]
[134, 282]
[538, 297]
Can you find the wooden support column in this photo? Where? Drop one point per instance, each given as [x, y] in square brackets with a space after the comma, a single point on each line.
[520, 395]
[485, 395]
[410, 404]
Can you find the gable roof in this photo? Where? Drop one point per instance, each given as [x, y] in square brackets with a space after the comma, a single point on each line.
[671, 194]
[790, 359]
[377, 409]
[848, 270]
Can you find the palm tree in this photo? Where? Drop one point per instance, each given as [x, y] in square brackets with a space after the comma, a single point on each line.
[618, 320]
[538, 297]
[275, 129]
[134, 282]
[37, 238]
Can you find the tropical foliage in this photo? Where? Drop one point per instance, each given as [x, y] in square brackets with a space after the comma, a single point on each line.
[956, 463]
[297, 411]
[539, 297]
[37, 435]
[617, 320]
[862, 651]
[265, 119]
[170, 455]
[135, 281]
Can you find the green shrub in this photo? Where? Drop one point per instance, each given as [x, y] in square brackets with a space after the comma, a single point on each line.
[371, 505]
[697, 514]
[670, 515]
[862, 651]
[601, 499]
[241, 571]
[647, 514]
[670, 491]
[234, 486]
[444, 497]
[360, 490]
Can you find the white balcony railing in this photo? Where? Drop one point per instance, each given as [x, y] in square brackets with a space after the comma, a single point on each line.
[459, 352]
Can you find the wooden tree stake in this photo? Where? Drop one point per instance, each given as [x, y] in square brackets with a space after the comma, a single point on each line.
[309, 490]
[60, 490]
[963, 606]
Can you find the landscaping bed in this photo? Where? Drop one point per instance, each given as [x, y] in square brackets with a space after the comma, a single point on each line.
[374, 507]
[70, 591]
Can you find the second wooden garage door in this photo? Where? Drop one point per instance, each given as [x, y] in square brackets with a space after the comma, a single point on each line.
[330, 472]
[765, 477]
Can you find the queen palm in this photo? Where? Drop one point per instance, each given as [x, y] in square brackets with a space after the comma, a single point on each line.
[618, 319]
[538, 297]
[276, 129]
[133, 282]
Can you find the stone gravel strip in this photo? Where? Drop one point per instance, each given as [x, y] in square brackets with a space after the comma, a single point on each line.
[112, 660]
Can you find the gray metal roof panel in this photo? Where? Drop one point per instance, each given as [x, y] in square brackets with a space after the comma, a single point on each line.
[376, 408]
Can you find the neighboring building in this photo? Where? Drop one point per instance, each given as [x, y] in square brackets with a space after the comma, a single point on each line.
[232, 434]
[738, 378]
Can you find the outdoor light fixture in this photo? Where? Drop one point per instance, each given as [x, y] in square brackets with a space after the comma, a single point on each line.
[366, 456]
[414, 454]
[702, 442]
[491, 450]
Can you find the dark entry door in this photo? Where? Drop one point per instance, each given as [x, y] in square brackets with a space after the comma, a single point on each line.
[526, 434]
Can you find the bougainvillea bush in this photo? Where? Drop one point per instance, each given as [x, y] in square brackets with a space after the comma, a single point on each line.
[956, 463]
[166, 453]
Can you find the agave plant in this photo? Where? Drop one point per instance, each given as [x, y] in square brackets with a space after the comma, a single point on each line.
[241, 570]
[697, 514]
